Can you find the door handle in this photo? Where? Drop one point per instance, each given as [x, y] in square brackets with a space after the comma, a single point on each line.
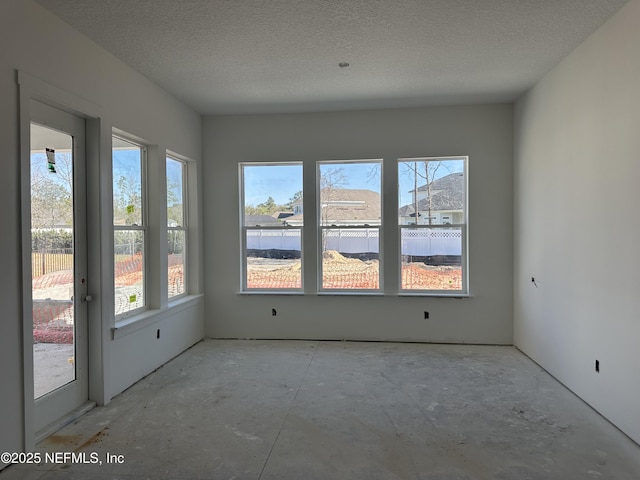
[87, 298]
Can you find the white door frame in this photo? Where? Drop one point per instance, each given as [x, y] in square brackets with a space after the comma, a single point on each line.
[61, 400]
[97, 136]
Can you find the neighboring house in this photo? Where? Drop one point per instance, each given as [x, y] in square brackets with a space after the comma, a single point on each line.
[440, 202]
[343, 206]
[282, 215]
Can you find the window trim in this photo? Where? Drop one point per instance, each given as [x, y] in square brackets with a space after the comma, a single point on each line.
[464, 227]
[180, 228]
[144, 228]
[387, 286]
[321, 228]
[244, 229]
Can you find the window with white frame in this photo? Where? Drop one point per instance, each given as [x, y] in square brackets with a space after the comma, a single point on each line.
[176, 227]
[432, 218]
[350, 223]
[129, 225]
[271, 213]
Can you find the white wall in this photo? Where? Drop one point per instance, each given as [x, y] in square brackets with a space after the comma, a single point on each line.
[482, 132]
[35, 42]
[576, 231]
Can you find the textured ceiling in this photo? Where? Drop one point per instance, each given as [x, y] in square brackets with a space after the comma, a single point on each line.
[259, 56]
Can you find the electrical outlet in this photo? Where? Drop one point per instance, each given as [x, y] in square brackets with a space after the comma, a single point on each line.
[158, 333]
[273, 312]
[426, 315]
[597, 366]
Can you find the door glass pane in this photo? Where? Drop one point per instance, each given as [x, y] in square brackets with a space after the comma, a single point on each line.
[52, 242]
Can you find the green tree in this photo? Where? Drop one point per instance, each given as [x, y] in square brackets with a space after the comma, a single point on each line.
[175, 211]
[295, 198]
[268, 207]
[128, 202]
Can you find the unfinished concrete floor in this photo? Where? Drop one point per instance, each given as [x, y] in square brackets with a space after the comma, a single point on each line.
[344, 410]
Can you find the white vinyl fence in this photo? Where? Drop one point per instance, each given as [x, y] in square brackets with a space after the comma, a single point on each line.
[347, 240]
[431, 241]
[273, 240]
[418, 241]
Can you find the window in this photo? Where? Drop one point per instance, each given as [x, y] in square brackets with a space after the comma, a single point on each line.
[350, 220]
[432, 216]
[271, 226]
[176, 227]
[348, 213]
[129, 225]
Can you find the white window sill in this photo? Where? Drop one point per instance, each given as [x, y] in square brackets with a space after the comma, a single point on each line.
[358, 294]
[434, 295]
[275, 292]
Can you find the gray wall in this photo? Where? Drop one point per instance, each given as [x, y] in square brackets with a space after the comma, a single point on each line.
[482, 132]
[39, 44]
[576, 229]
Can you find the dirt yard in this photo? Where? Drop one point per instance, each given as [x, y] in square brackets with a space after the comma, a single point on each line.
[340, 272]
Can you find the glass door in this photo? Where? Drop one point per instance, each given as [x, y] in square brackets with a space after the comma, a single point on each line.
[58, 264]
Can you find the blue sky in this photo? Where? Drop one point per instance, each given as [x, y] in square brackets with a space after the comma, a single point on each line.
[278, 181]
[282, 181]
[406, 180]
[174, 178]
[126, 163]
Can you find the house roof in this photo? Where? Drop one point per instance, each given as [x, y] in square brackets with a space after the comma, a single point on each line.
[453, 181]
[261, 220]
[447, 193]
[342, 205]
